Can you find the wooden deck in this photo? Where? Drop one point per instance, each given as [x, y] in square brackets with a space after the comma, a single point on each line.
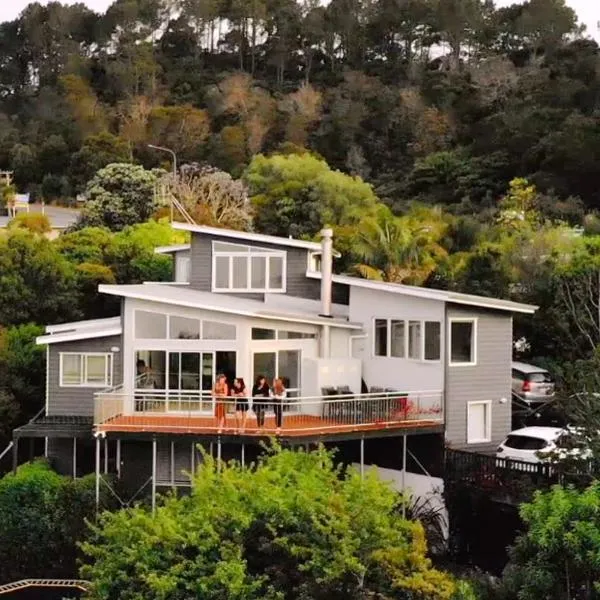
[293, 425]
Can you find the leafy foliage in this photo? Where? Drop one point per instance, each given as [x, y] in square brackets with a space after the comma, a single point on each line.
[311, 532]
[42, 515]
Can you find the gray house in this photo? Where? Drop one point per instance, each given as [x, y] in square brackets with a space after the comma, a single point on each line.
[361, 361]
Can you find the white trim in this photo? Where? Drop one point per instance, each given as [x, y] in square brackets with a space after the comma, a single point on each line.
[432, 294]
[74, 336]
[474, 340]
[165, 283]
[83, 356]
[170, 249]
[77, 325]
[247, 236]
[47, 379]
[487, 424]
[139, 293]
[252, 252]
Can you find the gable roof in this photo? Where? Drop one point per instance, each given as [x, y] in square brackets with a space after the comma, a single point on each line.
[432, 294]
[221, 303]
[248, 236]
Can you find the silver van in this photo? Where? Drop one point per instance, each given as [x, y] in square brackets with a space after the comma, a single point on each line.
[531, 384]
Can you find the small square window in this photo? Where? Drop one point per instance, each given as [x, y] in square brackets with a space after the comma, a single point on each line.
[414, 340]
[462, 342]
[397, 339]
[432, 340]
[479, 422]
[72, 369]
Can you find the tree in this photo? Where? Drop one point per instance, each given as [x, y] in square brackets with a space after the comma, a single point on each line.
[119, 195]
[33, 222]
[212, 197]
[557, 556]
[42, 518]
[22, 370]
[297, 194]
[37, 283]
[311, 532]
[398, 249]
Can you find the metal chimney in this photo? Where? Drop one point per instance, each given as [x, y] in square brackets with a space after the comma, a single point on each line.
[326, 271]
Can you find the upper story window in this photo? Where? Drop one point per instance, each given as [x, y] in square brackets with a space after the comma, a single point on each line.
[182, 269]
[90, 369]
[314, 262]
[160, 326]
[238, 268]
[463, 342]
[416, 340]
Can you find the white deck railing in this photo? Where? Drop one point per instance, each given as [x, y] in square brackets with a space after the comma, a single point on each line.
[194, 411]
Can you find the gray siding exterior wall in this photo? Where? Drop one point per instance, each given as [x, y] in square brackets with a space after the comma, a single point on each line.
[297, 283]
[489, 379]
[78, 401]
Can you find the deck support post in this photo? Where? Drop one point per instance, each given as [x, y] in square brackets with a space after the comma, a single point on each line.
[172, 464]
[193, 463]
[15, 455]
[105, 455]
[97, 474]
[243, 455]
[74, 458]
[404, 449]
[153, 476]
[219, 453]
[119, 458]
[362, 457]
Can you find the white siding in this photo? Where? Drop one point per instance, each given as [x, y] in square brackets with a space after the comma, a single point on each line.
[397, 373]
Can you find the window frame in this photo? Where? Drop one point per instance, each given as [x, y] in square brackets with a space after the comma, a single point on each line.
[474, 341]
[487, 425]
[83, 366]
[248, 252]
[421, 358]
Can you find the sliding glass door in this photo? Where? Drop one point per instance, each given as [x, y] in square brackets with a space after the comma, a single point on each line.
[281, 363]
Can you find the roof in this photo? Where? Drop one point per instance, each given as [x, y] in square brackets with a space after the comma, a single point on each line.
[221, 303]
[432, 294]
[81, 330]
[172, 249]
[57, 427]
[544, 433]
[248, 236]
[525, 368]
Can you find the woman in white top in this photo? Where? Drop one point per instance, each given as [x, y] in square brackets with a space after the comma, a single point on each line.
[278, 393]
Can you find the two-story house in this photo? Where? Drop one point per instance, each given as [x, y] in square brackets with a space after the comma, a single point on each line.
[362, 361]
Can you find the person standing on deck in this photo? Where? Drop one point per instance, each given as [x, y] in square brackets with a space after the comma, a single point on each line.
[260, 393]
[279, 393]
[220, 394]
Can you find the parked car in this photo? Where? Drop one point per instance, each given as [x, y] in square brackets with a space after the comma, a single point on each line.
[539, 444]
[531, 383]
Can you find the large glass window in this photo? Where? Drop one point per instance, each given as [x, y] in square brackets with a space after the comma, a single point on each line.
[463, 342]
[182, 328]
[284, 364]
[85, 370]
[240, 268]
[213, 330]
[150, 325]
[397, 339]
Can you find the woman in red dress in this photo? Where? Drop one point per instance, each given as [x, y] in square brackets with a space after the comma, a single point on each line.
[220, 394]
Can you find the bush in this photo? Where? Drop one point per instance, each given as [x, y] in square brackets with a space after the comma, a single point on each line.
[34, 222]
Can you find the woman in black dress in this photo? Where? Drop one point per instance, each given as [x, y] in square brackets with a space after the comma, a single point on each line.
[240, 393]
[260, 398]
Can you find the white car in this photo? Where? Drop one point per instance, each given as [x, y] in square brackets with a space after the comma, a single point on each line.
[538, 444]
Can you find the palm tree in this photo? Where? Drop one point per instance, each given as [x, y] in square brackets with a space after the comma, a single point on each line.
[398, 249]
